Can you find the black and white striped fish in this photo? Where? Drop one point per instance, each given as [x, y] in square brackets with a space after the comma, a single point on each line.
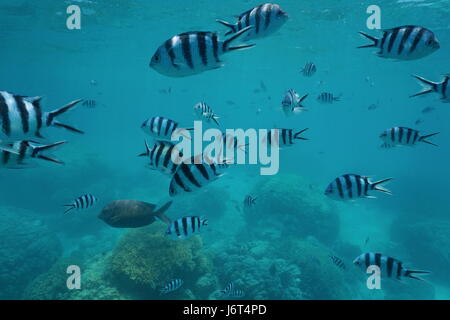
[191, 176]
[292, 102]
[194, 52]
[404, 43]
[172, 286]
[236, 293]
[442, 88]
[231, 143]
[309, 69]
[82, 203]
[186, 227]
[229, 288]
[283, 137]
[163, 156]
[352, 186]
[91, 104]
[265, 20]
[203, 111]
[402, 136]
[18, 154]
[161, 128]
[338, 262]
[389, 267]
[21, 117]
[249, 201]
[326, 97]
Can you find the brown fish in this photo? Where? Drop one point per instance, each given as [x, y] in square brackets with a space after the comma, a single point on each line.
[133, 214]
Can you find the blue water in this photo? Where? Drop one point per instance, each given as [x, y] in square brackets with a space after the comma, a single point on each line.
[279, 249]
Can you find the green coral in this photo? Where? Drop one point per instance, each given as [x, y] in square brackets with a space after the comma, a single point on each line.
[292, 205]
[145, 259]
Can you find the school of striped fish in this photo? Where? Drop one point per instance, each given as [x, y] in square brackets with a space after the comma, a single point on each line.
[24, 123]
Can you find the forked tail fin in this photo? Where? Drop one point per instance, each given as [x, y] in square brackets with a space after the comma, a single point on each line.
[226, 44]
[297, 135]
[37, 152]
[233, 27]
[372, 45]
[410, 274]
[51, 121]
[377, 186]
[423, 138]
[161, 213]
[72, 206]
[429, 87]
[147, 150]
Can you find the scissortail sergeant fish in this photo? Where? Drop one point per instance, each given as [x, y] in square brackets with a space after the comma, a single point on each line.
[161, 128]
[194, 52]
[283, 137]
[327, 98]
[442, 88]
[309, 69]
[236, 293]
[185, 227]
[17, 154]
[164, 156]
[402, 136]
[82, 203]
[193, 176]
[21, 117]
[249, 201]
[338, 262]
[171, 286]
[352, 186]
[229, 287]
[404, 43]
[265, 20]
[292, 102]
[389, 267]
[203, 111]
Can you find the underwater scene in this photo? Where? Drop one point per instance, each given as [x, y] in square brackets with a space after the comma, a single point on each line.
[224, 150]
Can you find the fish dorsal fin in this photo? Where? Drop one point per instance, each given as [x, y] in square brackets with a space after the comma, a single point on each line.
[32, 99]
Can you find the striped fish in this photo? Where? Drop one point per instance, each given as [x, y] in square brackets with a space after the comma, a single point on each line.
[163, 156]
[249, 201]
[191, 176]
[172, 286]
[185, 227]
[404, 43]
[236, 293]
[89, 104]
[352, 186]
[229, 288]
[309, 69]
[203, 111]
[82, 203]
[389, 267]
[265, 20]
[402, 136]
[192, 53]
[21, 117]
[230, 145]
[338, 262]
[283, 137]
[327, 98]
[442, 88]
[292, 102]
[17, 154]
[161, 128]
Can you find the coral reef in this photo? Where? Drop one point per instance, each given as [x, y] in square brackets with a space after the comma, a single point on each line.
[289, 204]
[145, 259]
[430, 251]
[27, 248]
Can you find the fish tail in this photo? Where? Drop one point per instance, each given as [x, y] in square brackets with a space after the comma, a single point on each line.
[430, 86]
[50, 121]
[297, 135]
[410, 274]
[372, 45]
[71, 207]
[377, 186]
[160, 213]
[39, 149]
[147, 150]
[214, 118]
[226, 44]
[423, 138]
[233, 27]
[303, 98]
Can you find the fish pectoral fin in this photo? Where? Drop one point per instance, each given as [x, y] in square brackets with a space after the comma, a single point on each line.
[370, 197]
